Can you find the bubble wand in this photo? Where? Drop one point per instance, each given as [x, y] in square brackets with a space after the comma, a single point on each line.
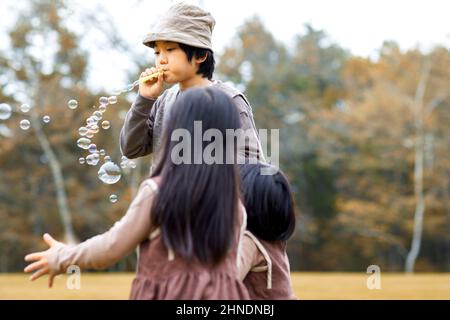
[147, 78]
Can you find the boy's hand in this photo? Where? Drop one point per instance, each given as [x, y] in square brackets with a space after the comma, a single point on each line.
[41, 261]
[152, 88]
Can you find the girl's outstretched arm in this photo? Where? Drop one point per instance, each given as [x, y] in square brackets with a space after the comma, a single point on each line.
[102, 250]
[41, 264]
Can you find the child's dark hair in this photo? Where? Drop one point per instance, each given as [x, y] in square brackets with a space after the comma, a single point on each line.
[196, 205]
[206, 68]
[269, 203]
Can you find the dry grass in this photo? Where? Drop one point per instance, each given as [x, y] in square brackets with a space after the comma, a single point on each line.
[306, 286]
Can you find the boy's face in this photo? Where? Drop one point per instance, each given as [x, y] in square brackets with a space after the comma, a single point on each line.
[170, 57]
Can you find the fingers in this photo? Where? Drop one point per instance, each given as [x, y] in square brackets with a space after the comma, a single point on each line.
[34, 256]
[50, 280]
[49, 240]
[39, 274]
[36, 265]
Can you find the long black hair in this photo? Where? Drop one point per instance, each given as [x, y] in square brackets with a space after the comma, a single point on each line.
[196, 205]
[268, 201]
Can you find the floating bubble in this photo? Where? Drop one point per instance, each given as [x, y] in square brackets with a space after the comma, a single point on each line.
[5, 111]
[103, 100]
[90, 121]
[73, 104]
[102, 108]
[123, 164]
[90, 134]
[130, 87]
[83, 131]
[109, 173]
[83, 143]
[46, 119]
[25, 108]
[132, 164]
[102, 152]
[107, 158]
[92, 159]
[113, 198]
[97, 115]
[92, 148]
[106, 125]
[112, 100]
[93, 128]
[117, 92]
[24, 124]
[81, 160]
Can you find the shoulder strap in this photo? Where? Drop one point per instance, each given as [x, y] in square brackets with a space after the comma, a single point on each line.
[241, 235]
[266, 256]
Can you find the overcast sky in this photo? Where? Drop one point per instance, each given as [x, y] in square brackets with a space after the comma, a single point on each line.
[358, 25]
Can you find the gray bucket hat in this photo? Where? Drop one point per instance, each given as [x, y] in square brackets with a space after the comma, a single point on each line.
[183, 23]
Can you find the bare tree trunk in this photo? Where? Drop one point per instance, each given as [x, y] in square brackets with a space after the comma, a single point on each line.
[58, 179]
[418, 169]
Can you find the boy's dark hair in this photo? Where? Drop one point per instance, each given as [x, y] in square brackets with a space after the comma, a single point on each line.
[197, 204]
[269, 203]
[206, 68]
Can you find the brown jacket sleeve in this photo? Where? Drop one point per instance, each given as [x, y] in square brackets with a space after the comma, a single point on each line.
[106, 249]
[136, 136]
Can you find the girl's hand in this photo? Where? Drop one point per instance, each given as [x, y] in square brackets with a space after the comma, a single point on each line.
[152, 88]
[41, 263]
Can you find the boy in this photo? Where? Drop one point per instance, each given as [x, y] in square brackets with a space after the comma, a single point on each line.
[182, 42]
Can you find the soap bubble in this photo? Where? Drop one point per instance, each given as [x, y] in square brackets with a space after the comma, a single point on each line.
[83, 143]
[132, 164]
[73, 104]
[107, 158]
[130, 87]
[92, 148]
[97, 115]
[5, 111]
[92, 159]
[90, 134]
[83, 131]
[25, 108]
[109, 173]
[123, 164]
[102, 108]
[103, 100]
[90, 121]
[113, 198]
[102, 152]
[46, 119]
[81, 160]
[93, 128]
[25, 124]
[112, 100]
[106, 125]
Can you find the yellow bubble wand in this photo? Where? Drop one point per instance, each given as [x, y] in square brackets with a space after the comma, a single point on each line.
[151, 76]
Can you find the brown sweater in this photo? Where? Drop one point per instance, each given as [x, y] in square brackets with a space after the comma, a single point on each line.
[145, 121]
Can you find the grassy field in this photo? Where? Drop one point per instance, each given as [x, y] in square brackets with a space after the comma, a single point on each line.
[306, 286]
